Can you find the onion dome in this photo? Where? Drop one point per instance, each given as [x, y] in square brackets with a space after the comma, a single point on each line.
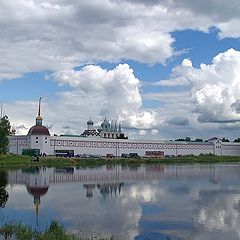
[13, 132]
[90, 122]
[38, 130]
[37, 191]
[105, 124]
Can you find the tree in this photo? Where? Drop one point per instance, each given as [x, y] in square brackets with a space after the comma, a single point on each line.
[225, 139]
[3, 192]
[180, 139]
[5, 128]
[237, 140]
[188, 139]
[198, 140]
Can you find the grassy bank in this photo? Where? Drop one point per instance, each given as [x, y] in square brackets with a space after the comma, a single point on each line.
[25, 161]
[55, 231]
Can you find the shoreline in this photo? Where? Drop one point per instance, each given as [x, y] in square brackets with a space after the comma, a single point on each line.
[18, 161]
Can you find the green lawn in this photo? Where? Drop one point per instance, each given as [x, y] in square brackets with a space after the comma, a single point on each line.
[13, 161]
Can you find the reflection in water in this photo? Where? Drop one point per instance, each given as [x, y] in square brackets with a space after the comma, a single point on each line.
[3, 192]
[155, 201]
[105, 189]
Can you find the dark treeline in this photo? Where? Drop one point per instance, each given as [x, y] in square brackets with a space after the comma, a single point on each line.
[188, 139]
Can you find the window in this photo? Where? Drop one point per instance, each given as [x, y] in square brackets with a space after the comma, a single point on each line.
[36, 141]
[45, 141]
[36, 137]
[45, 138]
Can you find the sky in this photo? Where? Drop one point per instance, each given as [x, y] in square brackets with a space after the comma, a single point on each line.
[165, 69]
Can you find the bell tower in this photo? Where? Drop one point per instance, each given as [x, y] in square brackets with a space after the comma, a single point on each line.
[39, 117]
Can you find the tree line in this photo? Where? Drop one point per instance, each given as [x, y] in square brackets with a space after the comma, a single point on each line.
[188, 139]
[5, 128]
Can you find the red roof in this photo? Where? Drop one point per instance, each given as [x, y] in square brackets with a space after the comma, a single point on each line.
[37, 191]
[38, 130]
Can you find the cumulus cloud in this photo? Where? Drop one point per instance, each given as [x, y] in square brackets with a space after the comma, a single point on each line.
[59, 35]
[215, 88]
[117, 91]
[218, 90]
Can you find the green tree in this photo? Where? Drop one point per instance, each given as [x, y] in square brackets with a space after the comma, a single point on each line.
[188, 139]
[5, 128]
[3, 192]
[225, 139]
[198, 140]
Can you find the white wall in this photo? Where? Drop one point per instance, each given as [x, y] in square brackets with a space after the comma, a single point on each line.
[231, 149]
[18, 143]
[101, 146]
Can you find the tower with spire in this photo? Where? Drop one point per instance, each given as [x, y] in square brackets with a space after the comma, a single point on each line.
[39, 118]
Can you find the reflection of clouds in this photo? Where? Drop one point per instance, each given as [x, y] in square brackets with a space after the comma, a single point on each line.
[236, 204]
[216, 212]
[118, 216]
[145, 193]
[186, 205]
[211, 222]
[19, 199]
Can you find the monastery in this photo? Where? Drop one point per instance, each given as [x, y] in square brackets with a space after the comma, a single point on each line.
[110, 140]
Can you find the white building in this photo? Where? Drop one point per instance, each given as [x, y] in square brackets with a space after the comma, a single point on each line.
[109, 139]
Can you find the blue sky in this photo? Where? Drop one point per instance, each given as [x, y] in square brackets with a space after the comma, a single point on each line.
[164, 70]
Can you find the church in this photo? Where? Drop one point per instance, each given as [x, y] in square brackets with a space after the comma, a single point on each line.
[110, 140]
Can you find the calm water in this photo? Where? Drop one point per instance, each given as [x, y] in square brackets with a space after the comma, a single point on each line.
[155, 201]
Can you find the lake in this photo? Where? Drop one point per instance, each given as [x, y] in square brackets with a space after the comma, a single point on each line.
[131, 202]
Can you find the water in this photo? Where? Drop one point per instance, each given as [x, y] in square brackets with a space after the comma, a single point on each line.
[152, 201]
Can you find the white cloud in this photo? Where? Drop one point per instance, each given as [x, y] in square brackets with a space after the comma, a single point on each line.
[215, 88]
[117, 93]
[59, 35]
[219, 89]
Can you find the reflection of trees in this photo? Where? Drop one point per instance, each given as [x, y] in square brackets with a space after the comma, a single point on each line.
[110, 188]
[3, 192]
[31, 170]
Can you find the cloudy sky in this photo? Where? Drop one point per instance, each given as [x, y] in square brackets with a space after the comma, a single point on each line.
[164, 68]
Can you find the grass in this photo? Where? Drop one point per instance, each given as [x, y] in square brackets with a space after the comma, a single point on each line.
[55, 231]
[16, 161]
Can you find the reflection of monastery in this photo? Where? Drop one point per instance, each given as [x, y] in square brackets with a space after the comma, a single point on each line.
[110, 139]
[109, 181]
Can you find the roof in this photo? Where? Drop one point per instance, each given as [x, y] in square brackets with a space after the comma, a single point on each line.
[69, 135]
[38, 130]
[213, 138]
[37, 191]
[90, 122]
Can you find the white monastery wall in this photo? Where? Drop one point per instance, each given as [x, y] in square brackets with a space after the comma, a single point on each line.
[18, 143]
[101, 146]
[231, 149]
